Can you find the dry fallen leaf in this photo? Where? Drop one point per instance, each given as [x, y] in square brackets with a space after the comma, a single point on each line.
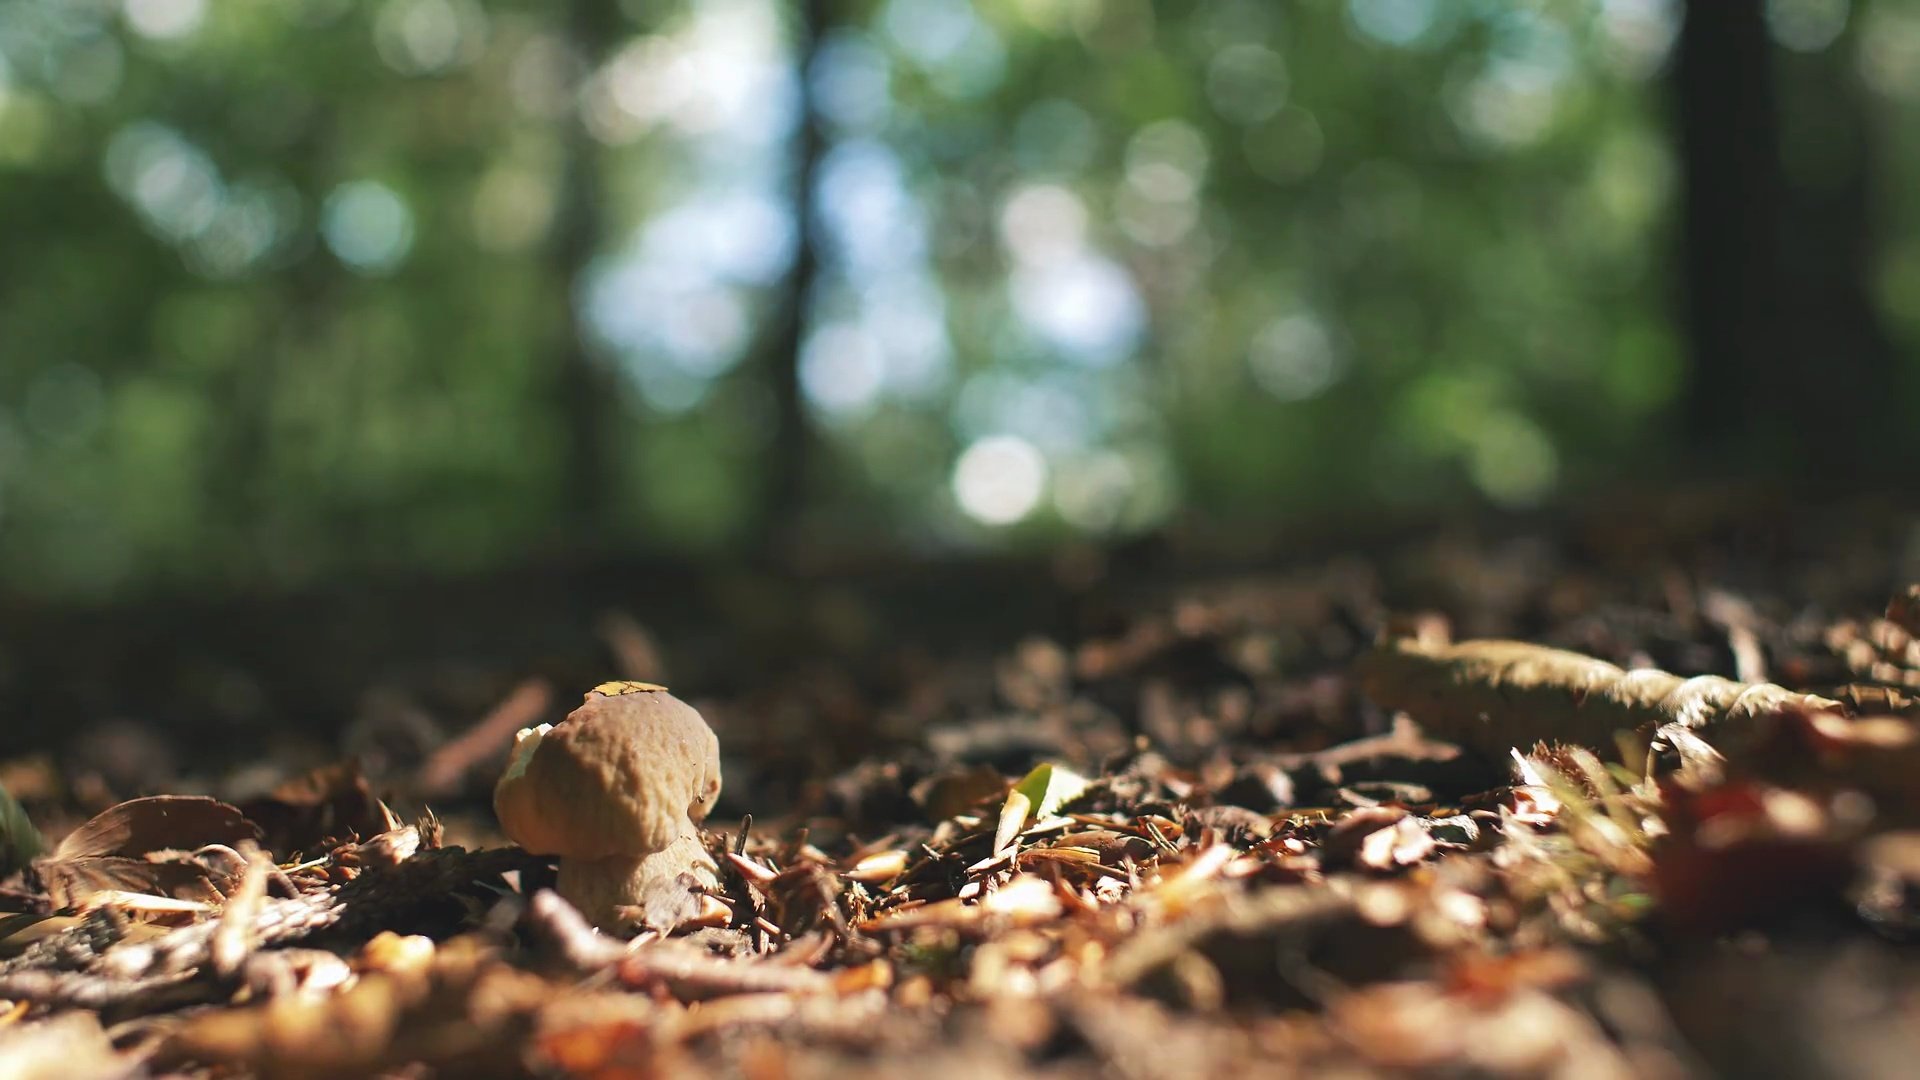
[159, 822]
[133, 848]
[310, 812]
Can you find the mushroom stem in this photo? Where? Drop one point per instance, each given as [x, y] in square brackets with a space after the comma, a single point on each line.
[658, 891]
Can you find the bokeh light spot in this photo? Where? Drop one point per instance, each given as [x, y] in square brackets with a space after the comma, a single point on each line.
[165, 20]
[512, 209]
[1247, 83]
[1889, 51]
[1055, 136]
[1512, 460]
[1043, 224]
[1393, 22]
[90, 72]
[168, 180]
[1092, 490]
[851, 81]
[1086, 306]
[999, 479]
[1636, 35]
[367, 225]
[1807, 25]
[424, 37]
[1293, 358]
[841, 370]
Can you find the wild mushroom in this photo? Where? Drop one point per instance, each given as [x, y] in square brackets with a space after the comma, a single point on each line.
[616, 790]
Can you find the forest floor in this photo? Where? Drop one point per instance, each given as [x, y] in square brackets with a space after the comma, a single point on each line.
[1299, 820]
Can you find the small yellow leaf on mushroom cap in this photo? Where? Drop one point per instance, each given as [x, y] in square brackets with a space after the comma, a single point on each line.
[619, 687]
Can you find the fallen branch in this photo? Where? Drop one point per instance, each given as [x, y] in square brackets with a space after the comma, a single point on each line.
[1492, 696]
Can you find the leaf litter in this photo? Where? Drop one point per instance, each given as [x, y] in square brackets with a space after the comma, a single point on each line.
[1227, 835]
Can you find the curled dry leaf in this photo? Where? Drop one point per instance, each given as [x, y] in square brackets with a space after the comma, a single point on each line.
[161, 822]
[118, 851]
[1492, 696]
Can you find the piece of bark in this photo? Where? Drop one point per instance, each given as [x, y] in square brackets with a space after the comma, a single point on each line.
[1493, 696]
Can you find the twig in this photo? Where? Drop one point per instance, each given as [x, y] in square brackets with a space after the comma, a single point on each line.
[685, 972]
[490, 735]
[692, 975]
[233, 937]
[562, 924]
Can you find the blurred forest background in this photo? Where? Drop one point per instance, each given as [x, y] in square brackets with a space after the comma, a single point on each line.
[308, 288]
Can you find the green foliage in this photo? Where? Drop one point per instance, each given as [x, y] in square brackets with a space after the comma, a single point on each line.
[296, 288]
[20, 842]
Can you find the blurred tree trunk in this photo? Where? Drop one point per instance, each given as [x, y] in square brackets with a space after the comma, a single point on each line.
[782, 502]
[1790, 368]
[1728, 129]
[585, 406]
[1828, 251]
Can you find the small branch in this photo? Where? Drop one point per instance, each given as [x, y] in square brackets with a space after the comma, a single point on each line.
[1493, 696]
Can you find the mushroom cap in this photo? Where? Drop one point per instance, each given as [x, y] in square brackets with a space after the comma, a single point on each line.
[624, 774]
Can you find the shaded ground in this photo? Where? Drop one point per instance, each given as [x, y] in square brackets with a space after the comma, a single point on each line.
[1237, 863]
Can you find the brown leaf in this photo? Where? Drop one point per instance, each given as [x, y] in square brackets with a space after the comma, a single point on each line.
[1345, 841]
[160, 822]
[312, 811]
[70, 882]
[1403, 843]
[955, 792]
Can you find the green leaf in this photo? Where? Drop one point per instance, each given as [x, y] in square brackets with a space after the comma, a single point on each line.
[20, 842]
[1049, 787]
